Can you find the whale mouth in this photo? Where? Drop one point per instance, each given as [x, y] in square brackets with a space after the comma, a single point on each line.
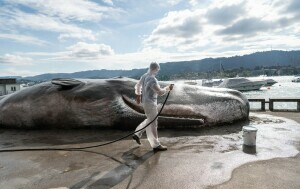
[174, 110]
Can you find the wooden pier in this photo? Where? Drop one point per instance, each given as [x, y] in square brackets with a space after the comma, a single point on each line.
[271, 103]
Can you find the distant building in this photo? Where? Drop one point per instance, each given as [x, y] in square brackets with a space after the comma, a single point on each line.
[8, 86]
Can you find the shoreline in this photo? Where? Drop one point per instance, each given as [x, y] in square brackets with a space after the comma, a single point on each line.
[290, 115]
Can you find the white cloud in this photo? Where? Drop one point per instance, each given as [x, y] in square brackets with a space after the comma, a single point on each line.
[174, 2]
[226, 14]
[22, 38]
[88, 55]
[195, 30]
[86, 50]
[88, 34]
[80, 51]
[199, 3]
[15, 60]
[109, 2]
[101, 56]
[176, 28]
[81, 10]
[17, 72]
[17, 19]
[222, 24]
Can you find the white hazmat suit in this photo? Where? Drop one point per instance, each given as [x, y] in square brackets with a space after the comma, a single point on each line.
[149, 88]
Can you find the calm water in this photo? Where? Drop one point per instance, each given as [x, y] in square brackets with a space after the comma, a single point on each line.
[284, 88]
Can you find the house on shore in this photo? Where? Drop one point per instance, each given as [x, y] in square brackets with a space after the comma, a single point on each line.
[8, 86]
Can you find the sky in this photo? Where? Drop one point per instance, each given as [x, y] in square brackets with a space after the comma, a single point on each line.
[65, 36]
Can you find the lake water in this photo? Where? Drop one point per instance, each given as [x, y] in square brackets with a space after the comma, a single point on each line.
[284, 88]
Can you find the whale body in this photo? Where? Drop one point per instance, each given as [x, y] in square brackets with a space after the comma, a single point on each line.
[109, 103]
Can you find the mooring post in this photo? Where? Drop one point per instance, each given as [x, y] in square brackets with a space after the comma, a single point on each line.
[298, 105]
[263, 104]
[271, 104]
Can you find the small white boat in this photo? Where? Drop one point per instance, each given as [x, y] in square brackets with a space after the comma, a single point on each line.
[269, 82]
[242, 84]
[211, 82]
[207, 83]
[191, 82]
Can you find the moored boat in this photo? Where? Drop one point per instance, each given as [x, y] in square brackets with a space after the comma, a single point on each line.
[242, 84]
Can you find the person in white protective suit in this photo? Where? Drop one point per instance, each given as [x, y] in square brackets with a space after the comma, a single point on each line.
[147, 90]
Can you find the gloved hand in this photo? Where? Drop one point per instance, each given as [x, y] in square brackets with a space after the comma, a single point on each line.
[138, 99]
[171, 86]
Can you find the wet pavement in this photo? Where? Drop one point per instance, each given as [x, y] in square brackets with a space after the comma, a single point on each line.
[196, 158]
[280, 173]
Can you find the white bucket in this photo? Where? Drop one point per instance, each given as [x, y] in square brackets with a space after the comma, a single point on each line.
[249, 135]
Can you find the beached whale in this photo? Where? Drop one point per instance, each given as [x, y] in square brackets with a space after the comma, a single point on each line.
[102, 103]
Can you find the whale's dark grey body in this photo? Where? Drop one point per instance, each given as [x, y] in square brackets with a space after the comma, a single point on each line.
[108, 103]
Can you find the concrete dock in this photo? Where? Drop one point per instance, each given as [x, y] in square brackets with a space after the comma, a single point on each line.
[274, 173]
[197, 158]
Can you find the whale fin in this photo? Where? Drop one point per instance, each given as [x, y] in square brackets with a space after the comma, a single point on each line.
[66, 82]
[133, 105]
[167, 121]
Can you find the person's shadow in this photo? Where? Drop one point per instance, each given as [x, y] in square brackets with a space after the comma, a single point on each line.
[116, 175]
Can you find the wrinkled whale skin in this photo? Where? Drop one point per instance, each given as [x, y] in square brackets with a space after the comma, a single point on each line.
[108, 103]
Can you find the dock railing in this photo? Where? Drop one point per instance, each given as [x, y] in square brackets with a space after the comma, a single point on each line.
[271, 101]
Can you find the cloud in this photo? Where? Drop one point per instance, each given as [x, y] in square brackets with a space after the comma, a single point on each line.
[109, 2]
[293, 9]
[80, 51]
[193, 29]
[223, 24]
[17, 72]
[88, 34]
[197, 3]
[173, 2]
[23, 38]
[80, 10]
[175, 28]
[140, 59]
[226, 14]
[251, 26]
[247, 26]
[86, 50]
[294, 6]
[15, 60]
[180, 24]
[17, 19]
